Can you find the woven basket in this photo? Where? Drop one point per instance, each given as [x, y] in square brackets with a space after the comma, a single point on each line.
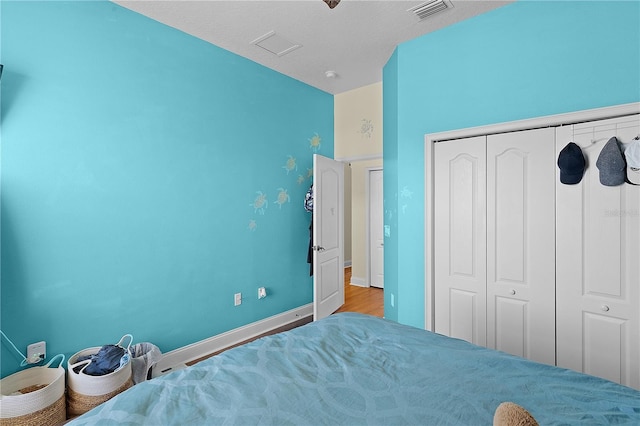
[45, 405]
[78, 403]
[85, 392]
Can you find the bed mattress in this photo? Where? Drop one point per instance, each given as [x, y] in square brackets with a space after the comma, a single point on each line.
[356, 369]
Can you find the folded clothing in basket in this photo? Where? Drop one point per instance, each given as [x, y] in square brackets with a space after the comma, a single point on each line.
[108, 359]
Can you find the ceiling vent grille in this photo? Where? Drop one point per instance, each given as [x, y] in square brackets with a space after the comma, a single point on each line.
[431, 7]
[275, 44]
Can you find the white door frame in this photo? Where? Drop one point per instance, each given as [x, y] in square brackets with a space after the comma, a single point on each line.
[533, 123]
[367, 188]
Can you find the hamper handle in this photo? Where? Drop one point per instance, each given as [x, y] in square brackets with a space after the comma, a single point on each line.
[122, 340]
[61, 356]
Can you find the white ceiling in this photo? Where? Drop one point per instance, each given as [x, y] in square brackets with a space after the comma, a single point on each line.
[355, 39]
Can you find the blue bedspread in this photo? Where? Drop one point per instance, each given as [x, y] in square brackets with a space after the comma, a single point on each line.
[355, 369]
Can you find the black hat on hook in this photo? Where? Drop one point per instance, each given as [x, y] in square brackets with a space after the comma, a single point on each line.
[571, 163]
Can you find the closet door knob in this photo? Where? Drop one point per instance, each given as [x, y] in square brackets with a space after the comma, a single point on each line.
[605, 308]
[512, 292]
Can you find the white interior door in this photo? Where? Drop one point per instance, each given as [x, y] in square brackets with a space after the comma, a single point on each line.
[460, 239]
[598, 267]
[376, 229]
[328, 236]
[521, 244]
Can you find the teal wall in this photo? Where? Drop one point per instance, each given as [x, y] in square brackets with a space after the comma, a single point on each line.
[523, 60]
[132, 157]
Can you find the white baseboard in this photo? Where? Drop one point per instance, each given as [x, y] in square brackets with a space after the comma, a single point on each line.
[347, 263]
[177, 358]
[360, 282]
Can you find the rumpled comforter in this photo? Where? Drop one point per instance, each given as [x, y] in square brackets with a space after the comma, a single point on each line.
[354, 369]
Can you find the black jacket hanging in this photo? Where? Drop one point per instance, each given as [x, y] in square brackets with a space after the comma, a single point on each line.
[308, 206]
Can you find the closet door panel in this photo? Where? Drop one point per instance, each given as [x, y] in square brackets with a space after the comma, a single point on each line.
[509, 196]
[598, 271]
[460, 239]
[603, 343]
[462, 318]
[512, 324]
[521, 244]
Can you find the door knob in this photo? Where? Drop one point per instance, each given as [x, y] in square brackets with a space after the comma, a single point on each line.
[605, 308]
[318, 248]
[512, 292]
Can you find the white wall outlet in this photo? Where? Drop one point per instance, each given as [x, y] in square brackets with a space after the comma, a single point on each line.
[237, 299]
[262, 293]
[36, 352]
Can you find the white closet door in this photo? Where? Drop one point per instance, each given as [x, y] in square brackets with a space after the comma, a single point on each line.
[460, 239]
[598, 262]
[521, 244]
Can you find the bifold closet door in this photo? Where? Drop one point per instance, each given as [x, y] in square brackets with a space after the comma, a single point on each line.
[460, 239]
[598, 262]
[494, 242]
[521, 243]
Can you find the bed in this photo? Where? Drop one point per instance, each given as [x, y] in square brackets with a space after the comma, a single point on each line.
[357, 369]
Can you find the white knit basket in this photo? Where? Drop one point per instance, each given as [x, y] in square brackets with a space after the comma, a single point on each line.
[86, 384]
[85, 392]
[31, 402]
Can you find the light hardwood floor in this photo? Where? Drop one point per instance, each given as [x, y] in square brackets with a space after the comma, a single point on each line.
[365, 300]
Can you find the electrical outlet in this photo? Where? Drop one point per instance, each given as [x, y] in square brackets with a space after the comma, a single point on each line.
[262, 293]
[36, 352]
[237, 299]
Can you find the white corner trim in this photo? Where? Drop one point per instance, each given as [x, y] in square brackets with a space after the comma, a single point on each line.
[538, 122]
[179, 357]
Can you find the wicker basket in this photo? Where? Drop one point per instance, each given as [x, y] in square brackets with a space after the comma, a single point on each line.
[34, 396]
[79, 403]
[85, 392]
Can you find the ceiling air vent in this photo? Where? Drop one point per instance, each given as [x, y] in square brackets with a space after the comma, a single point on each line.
[428, 8]
[275, 44]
